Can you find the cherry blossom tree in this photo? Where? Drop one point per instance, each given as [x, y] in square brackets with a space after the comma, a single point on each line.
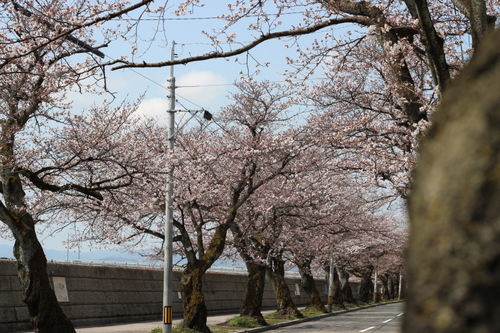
[299, 217]
[217, 170]
[386, 64]
[379, 245]
[383, 82]
[238, 161]
[41, 60]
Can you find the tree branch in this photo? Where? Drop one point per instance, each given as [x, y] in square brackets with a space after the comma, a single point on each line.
[248, 47]
[433, 43]
[38, 182]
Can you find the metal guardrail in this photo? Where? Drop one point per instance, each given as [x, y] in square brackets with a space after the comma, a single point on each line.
[159, 266]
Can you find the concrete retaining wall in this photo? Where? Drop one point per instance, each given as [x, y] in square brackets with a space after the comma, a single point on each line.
[103, 294]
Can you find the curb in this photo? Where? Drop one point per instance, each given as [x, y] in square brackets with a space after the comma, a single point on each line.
[303, 320]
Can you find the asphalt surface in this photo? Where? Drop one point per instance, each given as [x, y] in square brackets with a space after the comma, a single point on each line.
[380, 319]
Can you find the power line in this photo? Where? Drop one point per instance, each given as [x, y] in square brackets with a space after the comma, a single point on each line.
[204, 85]
[199, 18]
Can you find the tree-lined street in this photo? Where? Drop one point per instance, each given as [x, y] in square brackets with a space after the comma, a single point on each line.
[313, 171]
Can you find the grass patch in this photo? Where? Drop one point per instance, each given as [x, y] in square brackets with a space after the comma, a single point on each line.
[275, 318]
[179, 328]
[310, 312]
[223, 329]
[276, 315]
[247, 322]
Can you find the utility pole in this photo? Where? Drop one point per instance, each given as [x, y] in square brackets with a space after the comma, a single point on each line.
[400, 291]
[331, 282]
[168, 289]
[169, 211]
[375, 287]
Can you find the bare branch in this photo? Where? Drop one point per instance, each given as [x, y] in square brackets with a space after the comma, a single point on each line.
[248, 47]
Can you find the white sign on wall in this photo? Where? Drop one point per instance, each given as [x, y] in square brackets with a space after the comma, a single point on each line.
[60, 288]
[297, 289]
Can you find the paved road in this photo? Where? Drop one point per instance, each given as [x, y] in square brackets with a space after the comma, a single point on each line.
[381, 319]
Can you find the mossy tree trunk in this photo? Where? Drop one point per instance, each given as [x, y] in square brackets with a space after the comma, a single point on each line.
[276, 275]
[309, 285]
[366, 287]
[193, 301]
[46, 315]
[453, 261]
[338, 294]
[346, 287]
[252, 300]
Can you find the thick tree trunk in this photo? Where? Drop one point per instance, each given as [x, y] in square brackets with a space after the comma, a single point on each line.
[338, 294]
[346, 287]
[366, 287]
[453, 261]
[45, 313]
[309, 285]
[276, 275]
[193, 301]
[392, 286]
[252, 301]
[385, 292]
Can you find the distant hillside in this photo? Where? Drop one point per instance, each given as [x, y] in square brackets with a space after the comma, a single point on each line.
[105, 255]
[6, 251]
[97, 255]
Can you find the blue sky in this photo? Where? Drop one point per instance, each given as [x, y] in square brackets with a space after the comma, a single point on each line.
[204, 84]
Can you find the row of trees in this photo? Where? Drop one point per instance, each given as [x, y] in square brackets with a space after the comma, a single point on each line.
[258, 183]
[253, 187]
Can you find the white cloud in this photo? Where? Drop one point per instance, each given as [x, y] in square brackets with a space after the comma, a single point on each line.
[154, 107]
[200, 87]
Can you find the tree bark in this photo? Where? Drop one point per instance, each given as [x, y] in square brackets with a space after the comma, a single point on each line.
[276, 275]
[338, 294]
[346, 287]
[252, 301]
[193, 301]
[46, 315]
[453, 261]
[392, 285]
[309, 285]
[366, 287]
[434, 44]
[386, 292]
[475, 11]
